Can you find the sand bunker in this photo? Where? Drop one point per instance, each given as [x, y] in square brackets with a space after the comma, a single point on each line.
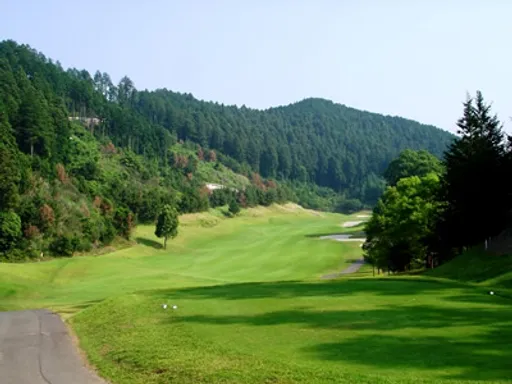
[342, 238]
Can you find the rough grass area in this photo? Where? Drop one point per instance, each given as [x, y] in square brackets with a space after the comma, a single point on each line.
[345, 331]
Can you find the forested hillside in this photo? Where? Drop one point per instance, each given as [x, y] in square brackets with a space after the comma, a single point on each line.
[82, 159]
[433, 211]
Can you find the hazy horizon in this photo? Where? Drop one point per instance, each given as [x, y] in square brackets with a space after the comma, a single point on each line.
[415, 61]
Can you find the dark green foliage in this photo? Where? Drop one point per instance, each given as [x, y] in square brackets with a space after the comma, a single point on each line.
[412, 163]
[234, 208]
[10, 178]
[108, 233]
[192, 200]
[10, 174]
[167, 224]
[80, 155]
[64, 245]
[220, 197]
[152, 200]
[425, 221]
[476, 184]
[10, 230]
[403, 219]
[124, 222]
[349, 206]
[312, 140]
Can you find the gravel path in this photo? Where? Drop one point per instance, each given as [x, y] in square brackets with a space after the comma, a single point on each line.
[35, 348]
[354, 267]
[344, 237]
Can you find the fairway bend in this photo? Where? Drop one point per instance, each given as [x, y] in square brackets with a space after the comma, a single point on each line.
[35, 348]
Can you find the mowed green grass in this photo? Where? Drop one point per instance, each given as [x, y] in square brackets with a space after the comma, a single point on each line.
[478, 267]
[342, 331]
[263, 244]
[253, 309]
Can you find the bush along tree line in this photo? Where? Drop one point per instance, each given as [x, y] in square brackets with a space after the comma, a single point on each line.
[431, 210]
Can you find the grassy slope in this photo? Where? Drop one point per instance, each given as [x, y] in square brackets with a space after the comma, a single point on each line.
[210, 249]
[388, 330]
[251, 309]
[477, 266]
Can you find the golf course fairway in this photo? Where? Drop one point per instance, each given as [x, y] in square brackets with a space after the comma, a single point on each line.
[252, 308]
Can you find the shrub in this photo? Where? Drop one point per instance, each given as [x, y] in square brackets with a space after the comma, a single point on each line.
[234, 208]
[124, 222]
[63, 245]
[108, 233]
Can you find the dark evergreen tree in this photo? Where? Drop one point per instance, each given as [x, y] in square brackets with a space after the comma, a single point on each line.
[10, 174]
[475, 182]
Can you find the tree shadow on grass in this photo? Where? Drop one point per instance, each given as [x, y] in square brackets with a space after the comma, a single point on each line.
[453, 342]
[352, 234]
[481, 352]
[483, 358]
[335, 288]
[149, 242]
[481, 295]
[422, 317]
[322, 234]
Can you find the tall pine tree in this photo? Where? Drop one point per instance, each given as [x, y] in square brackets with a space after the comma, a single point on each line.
[474, 185]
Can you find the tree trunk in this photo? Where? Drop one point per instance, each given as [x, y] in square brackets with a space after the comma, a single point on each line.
[165, 242]
[31, 149]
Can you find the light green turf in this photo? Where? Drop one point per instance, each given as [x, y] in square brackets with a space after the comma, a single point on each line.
[252, 309]
[343, 331]
[263, 244]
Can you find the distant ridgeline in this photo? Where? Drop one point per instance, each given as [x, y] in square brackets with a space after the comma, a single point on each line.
[78, 150]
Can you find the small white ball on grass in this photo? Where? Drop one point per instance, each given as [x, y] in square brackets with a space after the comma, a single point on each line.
[164, 306]
[174, 307]
[491, 293]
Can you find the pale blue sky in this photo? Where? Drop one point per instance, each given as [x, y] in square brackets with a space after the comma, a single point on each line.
[415, 59]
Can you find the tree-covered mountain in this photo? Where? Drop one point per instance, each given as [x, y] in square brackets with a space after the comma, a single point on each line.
[313, 140]
[433, 211]
[79, 154]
